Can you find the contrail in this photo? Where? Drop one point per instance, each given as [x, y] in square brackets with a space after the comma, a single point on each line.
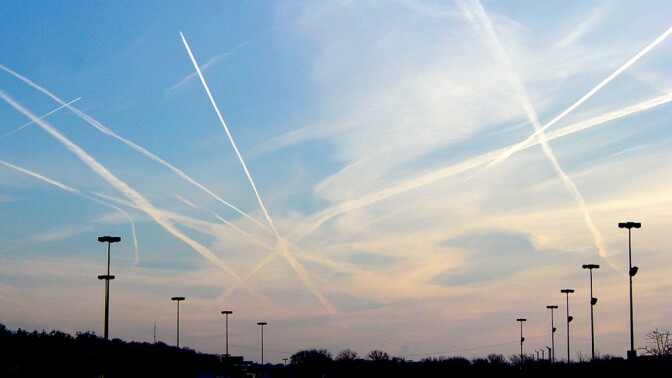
[633, 60]
[144, 204]
[220, 218]
[79, 193]
[282, 244]
[44, 116]
[228, 133]
[487, 30]
[475, 162]
[93, 122]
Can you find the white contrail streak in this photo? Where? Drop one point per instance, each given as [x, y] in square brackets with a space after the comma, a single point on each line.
[44, 116]
[93, 122]
[228, 133]
[482, 23]
[475, 162]
[220, 218]
[79, 193]
[282, 244]
[633, 60]
[144, 204]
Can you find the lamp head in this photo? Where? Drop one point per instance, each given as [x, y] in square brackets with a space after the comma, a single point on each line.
[590, 266]
[629, 225]
[109, 239]
[177, 298]
[227, 312]
[633, 271]
[593, 301]
[567, 291]
[262, 323]
[552, 306]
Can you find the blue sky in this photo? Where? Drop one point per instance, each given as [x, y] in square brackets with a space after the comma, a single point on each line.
[395, 175]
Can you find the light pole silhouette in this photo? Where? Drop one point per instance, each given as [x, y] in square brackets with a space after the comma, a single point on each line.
[632, 270]
[227, 313]
[569, 320]
[522, 339]
[178, 299]
[551, 353]
[107, 277]
[262, 324]
[593, 301]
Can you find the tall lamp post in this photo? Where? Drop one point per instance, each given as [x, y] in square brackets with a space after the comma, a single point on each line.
[522, 339]
[178, 299]
[227, 313]
[551, 353]
[593, 301]
[107, 277]
[569, 319]
[632, 270]
[262, 324]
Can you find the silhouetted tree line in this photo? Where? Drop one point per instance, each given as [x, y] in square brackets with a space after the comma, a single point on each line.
[58, 354]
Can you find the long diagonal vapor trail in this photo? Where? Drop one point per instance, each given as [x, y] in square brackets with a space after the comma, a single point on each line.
[482, 23]
[473, 163]
[283, 245]
[93, 122]
[42, 117]
[79, 193]
[515, 148]
[130, 193]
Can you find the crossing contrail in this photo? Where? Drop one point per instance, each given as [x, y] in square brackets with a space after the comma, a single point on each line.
[79, 193]
[135, 197]
[515, 148]
[251, 237]
[483, 24]
[283, 246]
[42, 117]
[93, 122]
[473, 163]
[491, 159]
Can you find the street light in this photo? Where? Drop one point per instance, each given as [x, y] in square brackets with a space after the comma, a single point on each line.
[522, 339]
[569, 319]
[107, 277]
[178, 299]
[551, 353]
[593, 301]
[227, 313]
[632, 270]
[262, 324]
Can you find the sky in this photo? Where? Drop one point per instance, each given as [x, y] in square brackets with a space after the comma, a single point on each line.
[404, 176]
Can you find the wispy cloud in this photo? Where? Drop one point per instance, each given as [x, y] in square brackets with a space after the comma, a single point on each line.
[130, 193]
[79, 193]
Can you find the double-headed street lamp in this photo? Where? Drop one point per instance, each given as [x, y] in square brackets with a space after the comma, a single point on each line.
[551, 353]
[569, 319]
[107, 277]
[593, 301]
[632, 270]
[227, 313]
[178, 299]
[262, 324]
[522, 339]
